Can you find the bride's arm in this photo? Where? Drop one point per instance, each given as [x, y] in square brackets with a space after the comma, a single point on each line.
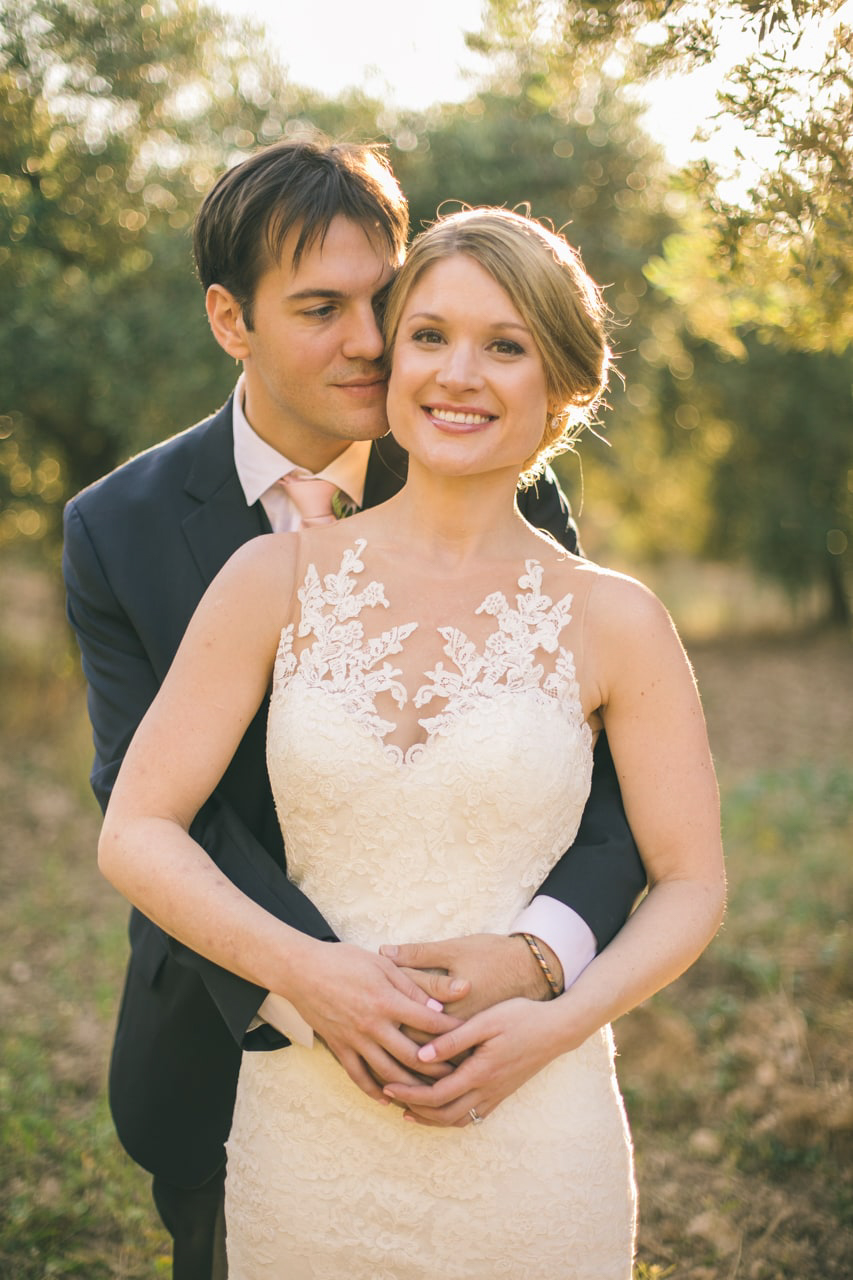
[181, 749]
[217, 681]
[651, 710]
[639, 677]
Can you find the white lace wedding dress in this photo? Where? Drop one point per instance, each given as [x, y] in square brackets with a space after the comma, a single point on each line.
[450, 836]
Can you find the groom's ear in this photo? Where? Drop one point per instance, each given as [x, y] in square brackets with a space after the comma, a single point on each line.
[225, 317]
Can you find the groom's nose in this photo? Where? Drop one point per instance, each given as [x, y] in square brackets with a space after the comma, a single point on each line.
[363, 338]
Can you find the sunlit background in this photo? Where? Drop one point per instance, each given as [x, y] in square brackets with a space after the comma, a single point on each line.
[726, 481]
[412, 55]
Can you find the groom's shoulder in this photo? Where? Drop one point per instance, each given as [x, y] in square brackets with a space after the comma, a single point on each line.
[161, 470]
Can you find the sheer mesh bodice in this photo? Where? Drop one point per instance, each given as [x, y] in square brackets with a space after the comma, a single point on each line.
[427, 778]
[455, 829]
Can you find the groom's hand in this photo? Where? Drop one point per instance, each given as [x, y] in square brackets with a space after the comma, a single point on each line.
[358, 1002]
[491, 968]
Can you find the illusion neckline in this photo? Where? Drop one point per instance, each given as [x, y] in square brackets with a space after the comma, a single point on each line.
[357, 669]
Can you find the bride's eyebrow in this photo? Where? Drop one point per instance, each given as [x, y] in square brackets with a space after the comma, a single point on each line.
[499, 325]
[511, 324]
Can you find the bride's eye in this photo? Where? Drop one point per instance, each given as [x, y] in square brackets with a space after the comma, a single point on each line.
[505, 347]
[427, 336]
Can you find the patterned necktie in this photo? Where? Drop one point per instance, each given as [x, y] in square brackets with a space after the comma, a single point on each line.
[313, 497]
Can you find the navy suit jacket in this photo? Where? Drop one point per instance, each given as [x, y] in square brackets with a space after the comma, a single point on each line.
[141, 547]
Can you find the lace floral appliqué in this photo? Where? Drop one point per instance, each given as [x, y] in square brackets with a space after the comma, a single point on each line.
[340, 658]
[356, 670]
[507, 662]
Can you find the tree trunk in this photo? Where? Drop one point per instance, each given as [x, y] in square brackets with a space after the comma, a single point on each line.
[840, 613]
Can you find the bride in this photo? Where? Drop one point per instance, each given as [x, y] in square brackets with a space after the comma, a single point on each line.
[440, 671]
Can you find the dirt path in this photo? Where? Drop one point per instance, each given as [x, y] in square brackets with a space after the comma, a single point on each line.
[778, 702]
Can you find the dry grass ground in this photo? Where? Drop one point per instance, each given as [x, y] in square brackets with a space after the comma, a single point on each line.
[737, 1079]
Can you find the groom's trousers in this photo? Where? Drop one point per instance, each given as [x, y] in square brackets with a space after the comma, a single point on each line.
[195, 1219]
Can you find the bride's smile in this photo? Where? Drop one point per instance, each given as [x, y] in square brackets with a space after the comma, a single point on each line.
[457, 421]
[468, 391]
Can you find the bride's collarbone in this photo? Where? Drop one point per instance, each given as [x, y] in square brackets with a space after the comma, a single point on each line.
[390, 562]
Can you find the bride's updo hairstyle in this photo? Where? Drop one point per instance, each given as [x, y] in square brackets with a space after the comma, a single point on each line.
[546, 282]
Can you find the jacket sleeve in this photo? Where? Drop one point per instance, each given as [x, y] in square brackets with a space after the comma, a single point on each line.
[601, 875]
[121, 684]
[545, 506]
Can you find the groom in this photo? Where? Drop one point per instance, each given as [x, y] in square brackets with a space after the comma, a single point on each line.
[295, 248]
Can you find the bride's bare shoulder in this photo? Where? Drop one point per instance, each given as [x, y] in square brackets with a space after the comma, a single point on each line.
[613, 599]
[613, 589]
[261, 574]
[551, 554]
[620, 607]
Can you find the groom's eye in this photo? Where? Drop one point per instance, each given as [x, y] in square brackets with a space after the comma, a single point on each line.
[380, 302]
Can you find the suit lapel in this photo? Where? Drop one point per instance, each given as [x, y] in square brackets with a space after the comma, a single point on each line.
[387, 467]
[220, 522]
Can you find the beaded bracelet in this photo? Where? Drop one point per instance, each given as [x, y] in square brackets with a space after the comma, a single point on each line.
[556, 989]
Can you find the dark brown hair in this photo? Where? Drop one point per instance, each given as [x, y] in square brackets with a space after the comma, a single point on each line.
[245, 218]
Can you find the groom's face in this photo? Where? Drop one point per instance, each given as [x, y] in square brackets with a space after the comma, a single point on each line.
[313, 377]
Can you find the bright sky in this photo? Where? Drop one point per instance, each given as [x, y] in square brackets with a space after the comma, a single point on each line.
[413, 54]
[404, 52]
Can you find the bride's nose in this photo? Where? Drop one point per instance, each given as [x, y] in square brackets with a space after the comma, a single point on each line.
[460, 368]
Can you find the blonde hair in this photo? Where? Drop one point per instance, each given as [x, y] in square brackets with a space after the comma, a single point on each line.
[546, 282]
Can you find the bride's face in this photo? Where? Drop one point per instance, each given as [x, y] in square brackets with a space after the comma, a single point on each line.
[467, 392]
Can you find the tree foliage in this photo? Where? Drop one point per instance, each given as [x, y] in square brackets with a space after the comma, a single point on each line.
[120, 117]
[800, 206]
[782, 484]
[766, 284]
[581, 161]
[117, 115]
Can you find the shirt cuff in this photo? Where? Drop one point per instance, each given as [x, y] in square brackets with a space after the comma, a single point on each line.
[281, 1014]
[566, 933]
